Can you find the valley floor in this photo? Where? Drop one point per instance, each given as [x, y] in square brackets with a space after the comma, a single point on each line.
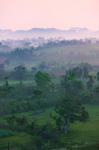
[83, 136]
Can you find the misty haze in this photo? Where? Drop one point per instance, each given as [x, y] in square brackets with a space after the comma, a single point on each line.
[49, 75]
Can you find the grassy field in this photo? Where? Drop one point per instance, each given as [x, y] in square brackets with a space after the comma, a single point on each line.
[83, 134]
[16, 82]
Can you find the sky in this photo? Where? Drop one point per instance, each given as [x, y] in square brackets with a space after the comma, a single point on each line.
[63, 14]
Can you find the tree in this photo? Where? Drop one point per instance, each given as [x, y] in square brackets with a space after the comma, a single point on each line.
[6, 82]
[69, 110]
[90, 82]
[22, 123]
[97, 76]
[20, 73]
[43, 89]
[81, 71]
[11, 122]
[71, 84]
[42, 79]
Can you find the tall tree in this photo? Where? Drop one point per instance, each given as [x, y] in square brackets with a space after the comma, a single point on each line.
[69, 110]
[70, 107]
[20, 73]
[42, 79]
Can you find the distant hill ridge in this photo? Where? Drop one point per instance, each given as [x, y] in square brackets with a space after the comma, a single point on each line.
[72, 33]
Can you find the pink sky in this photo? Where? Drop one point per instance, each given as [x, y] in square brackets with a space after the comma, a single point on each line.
[25, 14]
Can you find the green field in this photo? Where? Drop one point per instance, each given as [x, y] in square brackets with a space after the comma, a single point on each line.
[83, 134]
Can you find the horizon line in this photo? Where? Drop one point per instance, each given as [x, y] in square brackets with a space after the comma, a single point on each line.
[74, 27]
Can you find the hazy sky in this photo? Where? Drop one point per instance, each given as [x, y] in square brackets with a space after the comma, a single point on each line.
[25, 14]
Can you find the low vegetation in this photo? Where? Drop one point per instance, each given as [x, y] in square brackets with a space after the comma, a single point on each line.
[38, 113]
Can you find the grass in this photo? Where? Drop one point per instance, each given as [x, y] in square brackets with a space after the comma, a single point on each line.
[20, 138]
[41, 117]
[80, 134]
[16, 82]
[6, 133]
[85, 133]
